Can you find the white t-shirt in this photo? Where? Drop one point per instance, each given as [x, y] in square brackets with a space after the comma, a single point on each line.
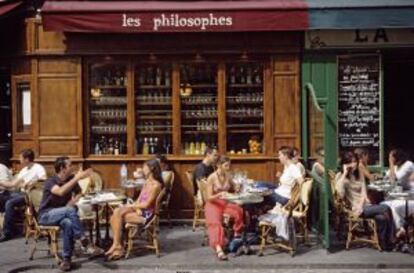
[5, 174]
[35, 172]
[287, 180]
[403, 173]
[301, 168]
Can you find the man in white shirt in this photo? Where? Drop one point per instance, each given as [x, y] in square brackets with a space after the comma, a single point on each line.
[5, 175]
[25, 179]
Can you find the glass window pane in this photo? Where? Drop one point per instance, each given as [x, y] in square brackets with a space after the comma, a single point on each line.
[153, 93]
[244, 108]
[24, 108]
[108, 108]
[199, 123]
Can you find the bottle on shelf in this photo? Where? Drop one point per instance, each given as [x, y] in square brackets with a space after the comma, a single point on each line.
[151, 146]
[145, 147]
[197, 149]
[242, 75]
[116, 147]
[192, 148]
[110, 146]
[249, 75]
[203, 147]
[158, 76]
[97, 149]
[123, 173]
[167, 78]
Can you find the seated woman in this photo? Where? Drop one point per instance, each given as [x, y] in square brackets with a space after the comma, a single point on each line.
[297, 161]
[140, 211]
[219, 183]
[350, 185]
[401, 172]
[318, 168]
[291, 174]
[400, 168]
[363, 158]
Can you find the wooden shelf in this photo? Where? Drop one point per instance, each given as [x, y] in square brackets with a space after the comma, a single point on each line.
[154, 111]
[109, 86]
[108, 118]
[244, 102]
[244, 131]
[198, 103]
[108, 133]
[153, 132]
[201, 117]
[139, 117]
[149, 87]
[200, 132]
[201, 86]
[244, 85]
[243, 117]
[153, 103]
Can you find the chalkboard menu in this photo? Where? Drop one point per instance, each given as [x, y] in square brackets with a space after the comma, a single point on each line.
[359, 104]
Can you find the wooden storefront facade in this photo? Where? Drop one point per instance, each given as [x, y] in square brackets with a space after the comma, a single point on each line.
[56, 69]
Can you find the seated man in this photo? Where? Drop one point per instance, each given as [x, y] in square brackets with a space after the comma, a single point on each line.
[26, 178]
[205, 167]
[60, 194]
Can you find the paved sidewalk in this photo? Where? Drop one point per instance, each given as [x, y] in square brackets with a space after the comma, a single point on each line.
[182, 253]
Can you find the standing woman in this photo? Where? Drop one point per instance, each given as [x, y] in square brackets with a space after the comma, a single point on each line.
[219, 183]
[350, 184]
[140, 211]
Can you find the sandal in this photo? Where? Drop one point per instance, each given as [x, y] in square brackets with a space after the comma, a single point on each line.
[221, 256]
[116, 255]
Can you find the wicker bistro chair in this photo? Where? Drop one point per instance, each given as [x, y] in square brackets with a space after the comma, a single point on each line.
[267, 230]
[339, 214]
[361, 230]
[198, 203]
[151, 228]
[300, 213]
[34, 230]
[165, 205]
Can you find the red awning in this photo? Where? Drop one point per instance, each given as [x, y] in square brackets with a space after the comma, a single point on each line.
[7, 6]
[168, 16]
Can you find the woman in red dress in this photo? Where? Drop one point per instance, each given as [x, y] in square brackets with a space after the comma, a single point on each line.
[218, 185]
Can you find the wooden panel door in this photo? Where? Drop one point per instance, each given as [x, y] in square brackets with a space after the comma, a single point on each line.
[286, 101]
[60, 107]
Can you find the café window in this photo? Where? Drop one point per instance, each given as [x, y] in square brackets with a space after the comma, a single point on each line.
[199, 119]
[153, 109]
[108, 108]
[23, 107]
[244, 107]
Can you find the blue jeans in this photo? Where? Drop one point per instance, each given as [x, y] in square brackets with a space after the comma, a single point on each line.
[16, 199]
[277, 198]
[68, 220]
[383, 217]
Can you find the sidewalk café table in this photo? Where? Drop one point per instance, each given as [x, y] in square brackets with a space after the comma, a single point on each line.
[244, 200]
[103, 199]
[378, 189]
[405, 196]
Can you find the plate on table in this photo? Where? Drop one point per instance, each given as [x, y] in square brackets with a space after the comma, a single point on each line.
[257, 190]
[399, 194]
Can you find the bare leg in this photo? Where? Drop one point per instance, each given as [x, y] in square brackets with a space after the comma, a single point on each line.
[116, 226]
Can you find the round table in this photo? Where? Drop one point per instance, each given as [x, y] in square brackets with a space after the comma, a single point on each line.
[405, 196]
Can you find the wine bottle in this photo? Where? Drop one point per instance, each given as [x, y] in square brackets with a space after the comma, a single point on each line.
[167, 78]
[116, 147]
[158, 76]
[145, 147]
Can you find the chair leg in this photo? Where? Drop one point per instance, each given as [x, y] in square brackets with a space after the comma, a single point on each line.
[262, 241]
[195, 218]
[169, 218]
[54, 245]
[349, 236]
[130, 242]
[34, 248]
[156, 244]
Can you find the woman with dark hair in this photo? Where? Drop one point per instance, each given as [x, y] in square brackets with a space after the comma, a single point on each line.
[220, 183]
[400, 168]
[140, 211]
[363, 157]
[350, 184]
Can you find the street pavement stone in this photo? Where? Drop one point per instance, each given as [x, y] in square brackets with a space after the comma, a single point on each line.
[181, 252]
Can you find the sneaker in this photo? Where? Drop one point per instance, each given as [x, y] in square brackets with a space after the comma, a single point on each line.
[65, 265]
